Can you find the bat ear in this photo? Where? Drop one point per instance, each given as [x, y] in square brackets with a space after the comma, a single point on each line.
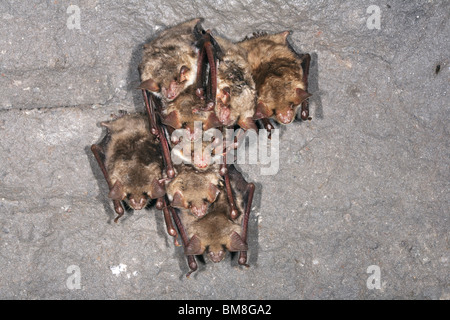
[212, 122]
[116, 192]
[183, 73]
[157, 189]
[213, 192]
[172, 120]
[149, 85]
[106, 124]
[224, 96]
[262, 111]
[194, 246]
[247, 124]
[179, 200]
[302, 94]
[282, 37]
[237, 243]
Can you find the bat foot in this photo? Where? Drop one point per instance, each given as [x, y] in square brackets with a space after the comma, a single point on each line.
[117, 218]
[173, 233]
[159, 204]
[155, 132]
[200, 92]
[223, 170]
[234, 214]
[170, 173]
[119, 210]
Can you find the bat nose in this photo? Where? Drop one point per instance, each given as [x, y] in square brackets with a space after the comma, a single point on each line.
[172, 91]
[286, 117]
[199, 211]
[217, 257]
[201, 162]
[138, 205]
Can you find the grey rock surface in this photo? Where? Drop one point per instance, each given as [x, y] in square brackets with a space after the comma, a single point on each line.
[365, 183]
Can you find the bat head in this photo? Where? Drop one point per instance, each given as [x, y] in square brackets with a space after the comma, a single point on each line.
[181, 79]
[169, 78]
[137, 196]
[199, 153]
[215, 247]
[284, 107]
[197, 200]
[286, 112]
[169, 62]
[188, 109]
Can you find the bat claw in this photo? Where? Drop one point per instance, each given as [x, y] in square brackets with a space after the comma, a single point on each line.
[223, 170]
[173, 233]
[170, 173]
[234, 214]
[200, 92]
[117, 218]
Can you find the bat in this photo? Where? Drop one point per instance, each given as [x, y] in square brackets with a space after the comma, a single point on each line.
[236, 92]
[168, 67]
[216, 232]
[280, 75]
[131, 162]
[169, 62]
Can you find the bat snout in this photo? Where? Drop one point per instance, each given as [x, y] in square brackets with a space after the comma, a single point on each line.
[286, 116]
[138, 204]
[199, 211]
[216, 256]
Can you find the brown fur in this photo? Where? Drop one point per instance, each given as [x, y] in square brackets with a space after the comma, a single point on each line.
[234, 75]
[133, 158]
[182, 110]
[164, 57]
[277, 72]
[179, 114]
[215, 231]
[194, 190]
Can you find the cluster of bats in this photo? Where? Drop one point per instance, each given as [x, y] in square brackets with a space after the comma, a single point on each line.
[188, 75]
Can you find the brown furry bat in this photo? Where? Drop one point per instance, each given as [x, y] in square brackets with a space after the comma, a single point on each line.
[169, 63]
[131, 161]
[216, 232]
[281, 83]
[236, 93]
[194, 190]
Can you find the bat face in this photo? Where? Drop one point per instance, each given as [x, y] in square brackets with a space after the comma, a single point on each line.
[133, 161]
[169, 63]
[187, 112]
[201, 154]
[194, 190]
[278, 75]
[187, 109]
[280, 93]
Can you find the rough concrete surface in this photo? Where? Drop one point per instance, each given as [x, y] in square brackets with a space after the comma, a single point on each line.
[365, 183]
